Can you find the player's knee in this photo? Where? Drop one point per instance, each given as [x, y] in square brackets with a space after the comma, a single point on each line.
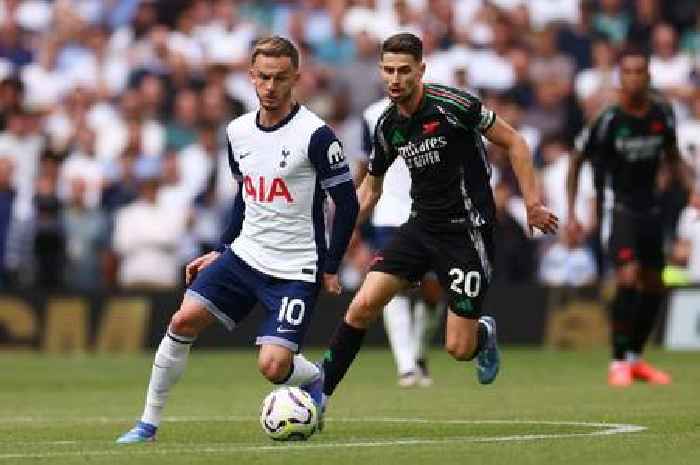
[183, 324]
[362, 312]
[461, 350]
[273, 369]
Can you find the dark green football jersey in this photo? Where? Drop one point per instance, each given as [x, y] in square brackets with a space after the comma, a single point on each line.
[626, 151]
[442, 146]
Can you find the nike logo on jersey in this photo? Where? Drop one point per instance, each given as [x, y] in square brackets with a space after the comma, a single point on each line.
[243, 155]
[280, 329]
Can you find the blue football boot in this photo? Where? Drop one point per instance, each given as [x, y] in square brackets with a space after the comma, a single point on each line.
[142, 432]
[488, 360]
[315, 389]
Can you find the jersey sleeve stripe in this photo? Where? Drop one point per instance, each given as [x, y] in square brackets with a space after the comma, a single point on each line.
[461, 102]
[335, 180]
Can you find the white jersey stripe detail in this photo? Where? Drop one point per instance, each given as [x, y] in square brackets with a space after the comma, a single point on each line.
[335, 180]
[478, 241]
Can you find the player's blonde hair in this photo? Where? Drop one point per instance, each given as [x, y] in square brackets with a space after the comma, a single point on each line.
[276, 46]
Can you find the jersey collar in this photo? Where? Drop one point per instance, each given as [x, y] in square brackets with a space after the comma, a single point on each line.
[285, 120]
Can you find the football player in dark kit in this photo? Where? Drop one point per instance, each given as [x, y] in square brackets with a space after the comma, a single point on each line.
[626, 145]
[438, 132]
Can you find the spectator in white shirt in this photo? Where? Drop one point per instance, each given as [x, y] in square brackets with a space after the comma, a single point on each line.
[147, 235]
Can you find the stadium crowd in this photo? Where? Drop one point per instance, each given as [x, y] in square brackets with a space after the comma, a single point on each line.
[113, 161]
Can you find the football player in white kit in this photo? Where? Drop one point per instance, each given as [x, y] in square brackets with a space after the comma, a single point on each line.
[274, 252]
[409, 334]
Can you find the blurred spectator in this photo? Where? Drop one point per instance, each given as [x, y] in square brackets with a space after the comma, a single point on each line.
[197, 162]
[82, 164]
[49, 236]
[596, 87]
[12, 47]
[568, 262]
[612, 20]
[670, 69]
[147, 234]
[689, 135]
[181, 131]
[7, 198]
[690, 41]
[85, 229]
[686, 250]
[515, 257]
[647, 14]
[576, 39]
[11, 96]
[22, 143]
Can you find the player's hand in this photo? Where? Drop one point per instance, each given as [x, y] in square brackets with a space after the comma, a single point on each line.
[332, 284]
[198, 264]
[542, 218]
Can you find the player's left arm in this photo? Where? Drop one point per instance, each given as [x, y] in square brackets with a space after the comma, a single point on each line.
[503, 135]
[326, 154]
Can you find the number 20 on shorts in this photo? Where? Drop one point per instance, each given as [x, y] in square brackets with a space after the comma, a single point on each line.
[468, 283]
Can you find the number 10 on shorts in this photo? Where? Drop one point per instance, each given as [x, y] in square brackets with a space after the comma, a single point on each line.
[291, 310]
[467, 284]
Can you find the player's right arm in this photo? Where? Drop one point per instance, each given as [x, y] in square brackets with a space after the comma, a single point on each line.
[589, 144]
[231, 231]
[368, 195]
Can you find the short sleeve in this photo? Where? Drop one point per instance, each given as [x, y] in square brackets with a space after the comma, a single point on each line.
[233, 164]
[382, 156]
[592, 138]
[326, 154]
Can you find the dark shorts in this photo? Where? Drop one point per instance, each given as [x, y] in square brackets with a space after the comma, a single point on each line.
[636, 237]
[229, 288]
[461, 259]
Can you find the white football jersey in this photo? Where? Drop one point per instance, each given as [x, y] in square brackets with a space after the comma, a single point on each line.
[394, 205]
[284, 170]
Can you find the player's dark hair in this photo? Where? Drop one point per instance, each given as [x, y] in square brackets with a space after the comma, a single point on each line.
[633, 50]
[404, 43]
[276, 46]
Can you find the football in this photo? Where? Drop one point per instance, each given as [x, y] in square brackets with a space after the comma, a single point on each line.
[288, 414]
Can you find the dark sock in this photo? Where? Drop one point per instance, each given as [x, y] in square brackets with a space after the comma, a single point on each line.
[344, 346]
[482, 335]
[624, 308]
[647, 311]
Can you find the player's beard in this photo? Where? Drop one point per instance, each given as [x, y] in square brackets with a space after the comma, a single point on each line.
[406, 96]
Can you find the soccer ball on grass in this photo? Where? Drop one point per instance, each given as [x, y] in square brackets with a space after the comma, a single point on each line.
[288, 414]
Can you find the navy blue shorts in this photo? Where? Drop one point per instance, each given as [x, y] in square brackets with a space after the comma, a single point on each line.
[229, 288]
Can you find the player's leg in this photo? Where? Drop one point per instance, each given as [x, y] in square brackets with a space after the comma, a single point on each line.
[397, 319]
[651, 296]
[168, 365]
[399, 331]
[217, 287]
[427, 314]
[280, 365]
[377, 289]
[622, 250]
[463, 265]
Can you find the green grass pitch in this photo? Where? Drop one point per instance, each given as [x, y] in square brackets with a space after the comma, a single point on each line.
[545, 408]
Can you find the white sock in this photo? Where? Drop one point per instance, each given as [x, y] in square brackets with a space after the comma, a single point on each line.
[168, 366]
[632, 357]
[303, 371]
[426, 319]
[397, 321]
